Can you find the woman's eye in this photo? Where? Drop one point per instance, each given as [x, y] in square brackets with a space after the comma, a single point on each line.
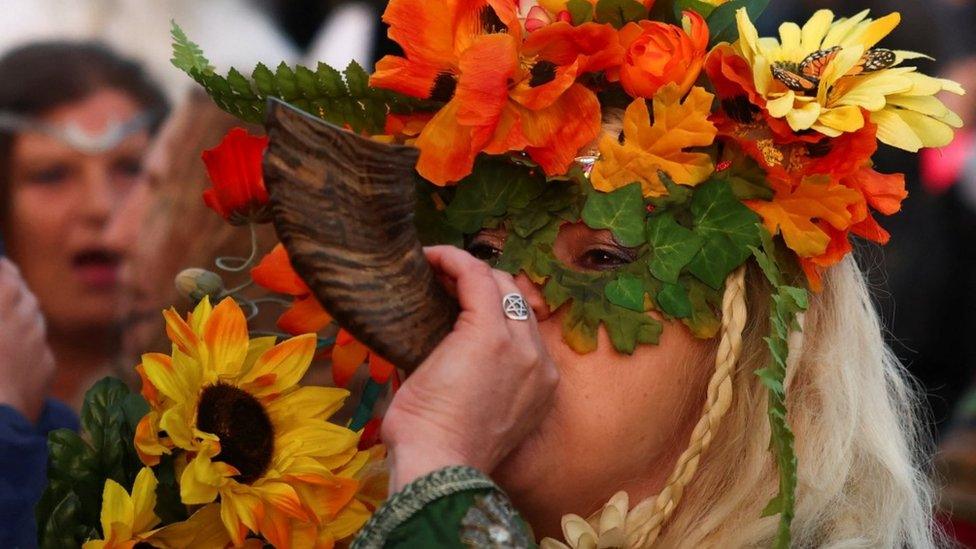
[601, 259]
[129, 169]
[50, 176]
[484, 251]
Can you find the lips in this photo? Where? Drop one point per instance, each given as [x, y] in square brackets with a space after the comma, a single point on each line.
[97, 268]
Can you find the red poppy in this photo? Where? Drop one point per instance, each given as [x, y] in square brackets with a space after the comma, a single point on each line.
[276, 274]
[501, 94]
[238, 193]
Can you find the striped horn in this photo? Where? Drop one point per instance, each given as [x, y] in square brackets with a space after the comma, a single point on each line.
[343, 207]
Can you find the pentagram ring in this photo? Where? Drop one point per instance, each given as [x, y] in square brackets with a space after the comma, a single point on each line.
[515, 307]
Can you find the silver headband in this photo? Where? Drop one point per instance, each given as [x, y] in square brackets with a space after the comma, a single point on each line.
[74, 135]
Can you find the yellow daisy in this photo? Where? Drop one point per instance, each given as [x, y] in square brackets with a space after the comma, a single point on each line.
[127, 520]
[251, 436]
[822, 75]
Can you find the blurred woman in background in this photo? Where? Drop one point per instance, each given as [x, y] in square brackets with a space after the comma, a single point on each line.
[75, 122]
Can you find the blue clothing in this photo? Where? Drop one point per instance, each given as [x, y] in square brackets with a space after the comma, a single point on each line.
[23, 469]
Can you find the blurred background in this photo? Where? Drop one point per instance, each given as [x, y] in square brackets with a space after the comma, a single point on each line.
[924, 281]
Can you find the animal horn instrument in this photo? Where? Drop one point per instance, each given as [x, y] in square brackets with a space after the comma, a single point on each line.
[343, 207]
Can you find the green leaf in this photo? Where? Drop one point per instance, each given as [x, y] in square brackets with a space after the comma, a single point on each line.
[721, 23]
[621, 211]
[677, 196]
[169, 507]
[187, 56]
[745, 175]
[431, 222]
[672, 247]
[619, 12]
[673, 299]
[492, 188]
[626, 291]
[727, 229]
[705, 301]
[62, 528]
[581, 11]
[703, 8]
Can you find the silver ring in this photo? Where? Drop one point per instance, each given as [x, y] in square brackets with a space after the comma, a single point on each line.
[515, 307]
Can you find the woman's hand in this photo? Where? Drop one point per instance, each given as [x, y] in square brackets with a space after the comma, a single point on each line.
[481, 391]
[26, 362]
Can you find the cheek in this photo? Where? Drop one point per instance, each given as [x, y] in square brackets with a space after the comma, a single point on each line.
[40, 220]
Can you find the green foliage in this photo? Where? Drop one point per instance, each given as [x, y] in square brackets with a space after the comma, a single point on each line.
[721, 22]
[673, 299]
[340, 98]
[672, 247]
[786, 303]
[745, 175]
[626, 291]
[68, 512]
[493, 188]
[703, 8]
[580, 11]
[727, 229]
[619, 12]
[621, 211]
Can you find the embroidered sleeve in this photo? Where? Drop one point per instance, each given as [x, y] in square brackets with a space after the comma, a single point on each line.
[451, 507]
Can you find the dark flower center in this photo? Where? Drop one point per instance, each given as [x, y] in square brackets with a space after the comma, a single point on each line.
[819, 149]
[542, 72]
[443, 88]
[490, 22]
[740, 109]
[245, 430]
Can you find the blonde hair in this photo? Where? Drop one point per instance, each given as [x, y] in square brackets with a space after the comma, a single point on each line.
[859, 442]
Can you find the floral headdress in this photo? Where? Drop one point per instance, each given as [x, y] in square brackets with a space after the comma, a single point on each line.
[731, 148]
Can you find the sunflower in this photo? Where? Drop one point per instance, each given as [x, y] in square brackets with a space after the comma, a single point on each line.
[829, 77]
[127, 520]
[250, 435]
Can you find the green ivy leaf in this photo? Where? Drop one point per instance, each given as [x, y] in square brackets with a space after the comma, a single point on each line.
[705, 301]
[431, 222]
[672, 247]
[580, 11]
[673, 299]
[727, 229]
[745, 175]
[621, 211]
[721, 23]
[626, 291]
[677, 195]
[619, 12]
[490, 191]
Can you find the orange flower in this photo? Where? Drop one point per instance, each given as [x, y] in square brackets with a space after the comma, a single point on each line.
[276, 274]
[648, 148]
[501, 94]
[659, 54]
[234, 167]
[348, 354]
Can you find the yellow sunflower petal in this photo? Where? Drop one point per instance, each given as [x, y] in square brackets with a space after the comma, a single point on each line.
[280, 367]
[226, 337]
[308, 402]
[117, 512]
[255, 349]
[239, 512]
[179, 380]
[178, 423]
[878, 29]
[144, 501]
[316, 439]
[94, 544]
[350, 519]
[802, 118]
[842, 30]
[283, 497]
[183, 336]
[203, 530]
[842, 119]
[202, 478]
[779, 107]
[931, 132]
[200, 315]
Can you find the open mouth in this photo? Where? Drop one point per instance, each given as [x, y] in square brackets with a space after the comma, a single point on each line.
[96, 267]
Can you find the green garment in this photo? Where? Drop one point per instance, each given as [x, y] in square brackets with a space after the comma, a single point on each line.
[451, 507]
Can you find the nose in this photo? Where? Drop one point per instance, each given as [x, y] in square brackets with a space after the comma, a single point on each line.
[532, 293]
[98, 199]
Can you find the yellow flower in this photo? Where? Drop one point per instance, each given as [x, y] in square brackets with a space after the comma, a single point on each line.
[648, 147]
[900, 100]
[252, 437]
[607, 528]
[127, 520]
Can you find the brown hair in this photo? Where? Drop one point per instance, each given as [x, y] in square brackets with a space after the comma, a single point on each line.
[41, 76]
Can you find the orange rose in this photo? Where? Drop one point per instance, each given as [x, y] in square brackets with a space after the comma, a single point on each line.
[659, 54]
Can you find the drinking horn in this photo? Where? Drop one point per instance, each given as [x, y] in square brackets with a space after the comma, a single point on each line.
[343, 207]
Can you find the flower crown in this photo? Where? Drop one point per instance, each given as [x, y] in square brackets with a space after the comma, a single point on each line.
[731, 147]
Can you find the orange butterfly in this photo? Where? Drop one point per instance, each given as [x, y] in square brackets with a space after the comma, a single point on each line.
[805, 77]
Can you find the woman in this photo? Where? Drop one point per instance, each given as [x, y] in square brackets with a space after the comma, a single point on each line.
[76, 121]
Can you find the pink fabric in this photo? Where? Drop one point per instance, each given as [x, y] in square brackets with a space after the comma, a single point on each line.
[941, 168]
